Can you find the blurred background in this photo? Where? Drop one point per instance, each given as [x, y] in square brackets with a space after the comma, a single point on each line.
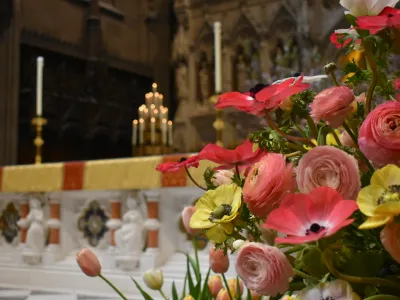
[102, 56]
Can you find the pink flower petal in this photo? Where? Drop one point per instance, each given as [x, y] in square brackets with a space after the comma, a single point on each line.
[322, 201]
[342, 211]
[278, 220]
[301, 239]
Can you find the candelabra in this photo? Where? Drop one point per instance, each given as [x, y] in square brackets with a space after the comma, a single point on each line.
[38, 122]
[152, 132]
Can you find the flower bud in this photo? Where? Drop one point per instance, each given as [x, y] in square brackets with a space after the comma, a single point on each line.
[187, 214]
[232, 284]
[215, 285]
[221, 177]
[188, 297]
[154, 279]
[238, 244]
[223, 295]
[329, 68]
[219, 262]
[88, 262]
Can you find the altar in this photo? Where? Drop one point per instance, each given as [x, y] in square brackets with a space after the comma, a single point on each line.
[50, 211]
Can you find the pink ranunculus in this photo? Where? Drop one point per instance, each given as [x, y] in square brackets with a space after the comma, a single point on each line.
[379, 136]
[264, 269]
[268, 181]
[390, 238]
[332, 105]
[311, 217]
[187, 214]
[215, 285]
[332, 167]
[219, 262]
[221, 177]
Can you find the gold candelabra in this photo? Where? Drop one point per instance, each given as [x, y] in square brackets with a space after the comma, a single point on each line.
[38, 122]
[218, 123]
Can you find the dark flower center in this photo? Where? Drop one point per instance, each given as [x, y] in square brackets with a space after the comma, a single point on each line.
[258, 87]
[296, 74]
[390, 15]
[392, 194]
[314, 228]
[220, 211]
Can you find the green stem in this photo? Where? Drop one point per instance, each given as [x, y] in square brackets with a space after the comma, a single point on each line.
[326, 255]
[354, 138]
[194, 181]
[113, 286]
[296, 286]
[293, 154]
[275, 127]
[237, 171]
[227, 286]
[333, 75]
[333, 132]
[311, 125]
[304, 275]
[295, 147]
[383, 297]
[298, 127]
[375, 76]
[196, 253]
[294, 249]
[162, 294]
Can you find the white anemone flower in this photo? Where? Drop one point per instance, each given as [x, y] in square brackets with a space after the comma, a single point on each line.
[359, 8]
[335, 290]
[306, 79]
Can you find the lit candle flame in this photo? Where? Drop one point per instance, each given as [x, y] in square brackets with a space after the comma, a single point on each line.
[135, 122]
[153, 120]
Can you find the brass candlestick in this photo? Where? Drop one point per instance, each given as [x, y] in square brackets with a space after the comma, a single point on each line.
[218, 123]
[38, 122]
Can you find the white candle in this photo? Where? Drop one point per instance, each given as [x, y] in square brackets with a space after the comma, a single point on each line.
[217, 49]
[170, 139]
[164, 131]
[134, 132]
[147, 101]
[153, 131]
[141, 131]
[154, 87]
[150, 99]
[141, 112]
[39, 85]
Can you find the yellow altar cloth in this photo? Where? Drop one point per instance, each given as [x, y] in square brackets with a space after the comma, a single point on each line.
[112, 174]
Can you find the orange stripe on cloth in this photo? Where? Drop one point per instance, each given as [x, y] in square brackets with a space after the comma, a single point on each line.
[73, 176]
[173, 179]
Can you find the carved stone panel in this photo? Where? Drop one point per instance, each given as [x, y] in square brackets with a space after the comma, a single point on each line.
[92, 223]
[8, 222]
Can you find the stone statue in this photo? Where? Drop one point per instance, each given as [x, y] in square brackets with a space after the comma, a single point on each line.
[129, 238]
[241, 74]
[35, 237]
[204, 81]
[181, 74]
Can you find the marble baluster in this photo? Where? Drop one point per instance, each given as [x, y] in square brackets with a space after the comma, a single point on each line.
[53, 249]
[115, 222]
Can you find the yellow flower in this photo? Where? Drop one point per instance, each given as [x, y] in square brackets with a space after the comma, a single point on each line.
[380, 201]
[216, 210]
[330, 140]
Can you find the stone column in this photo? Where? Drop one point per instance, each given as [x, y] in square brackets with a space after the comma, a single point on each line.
[53, 250]
[9, 88]
[152, 224]
[24, 211]
[115, 222]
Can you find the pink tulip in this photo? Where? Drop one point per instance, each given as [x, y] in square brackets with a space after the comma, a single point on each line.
[187, 214]
[267, 183]
[379, 136]
[219, 262]
[346, 140]
[332, 105]
[332, 167]
[88, 262]
[263, 269]
[390, 238]
[215, 285]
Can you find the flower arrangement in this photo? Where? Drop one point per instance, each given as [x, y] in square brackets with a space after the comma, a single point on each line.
[311, 203]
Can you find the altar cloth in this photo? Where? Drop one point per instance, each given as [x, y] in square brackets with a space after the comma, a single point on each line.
[110, 174]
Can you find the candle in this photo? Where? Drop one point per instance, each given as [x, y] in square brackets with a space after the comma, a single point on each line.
[141, 131]
[157, 99]
[164, 131]
[141, 112]
[154, 87]
[146, 113]
[39, 85]
[147, 99]
[134, 131]
[170, 133]
[150, 99]
[217, 49]
[153, 131]
[161, 99]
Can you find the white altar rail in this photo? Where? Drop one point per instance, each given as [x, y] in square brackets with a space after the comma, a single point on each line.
[69, 214]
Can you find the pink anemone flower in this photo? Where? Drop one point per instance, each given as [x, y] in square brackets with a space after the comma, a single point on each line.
[269, 97]
[321, 213]
[389, 17]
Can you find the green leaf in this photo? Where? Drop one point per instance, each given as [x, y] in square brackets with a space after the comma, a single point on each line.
[144, 294]
[184, 286]
[238, 294]
[351, 19]
[357, 265]
[248, 294]
[174, 292]
[321, 140]
[313, 263]
[204, 291]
